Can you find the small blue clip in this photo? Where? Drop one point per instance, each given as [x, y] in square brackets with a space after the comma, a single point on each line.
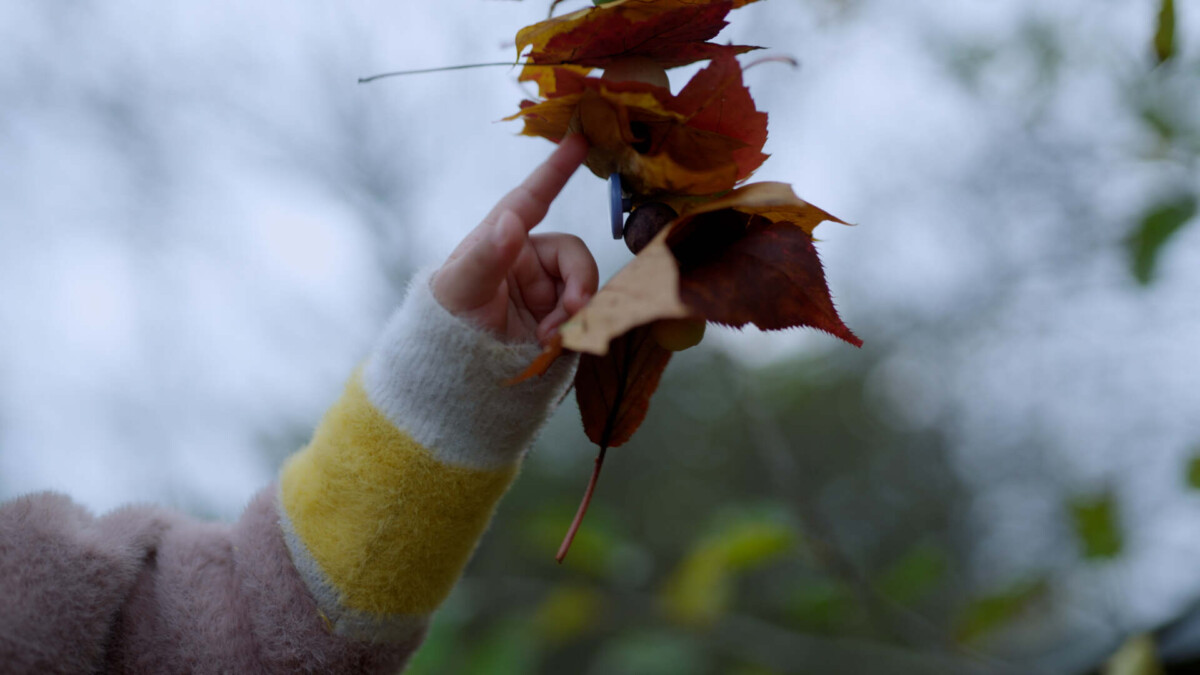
[618, 205]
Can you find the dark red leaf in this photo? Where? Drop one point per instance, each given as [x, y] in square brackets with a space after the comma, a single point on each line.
[716, 100]
[675, 36]
[614, 390]
[703, 141]
[738, 269]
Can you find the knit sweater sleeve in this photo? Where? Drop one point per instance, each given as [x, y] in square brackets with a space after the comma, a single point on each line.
[336, 569]
[382, 510]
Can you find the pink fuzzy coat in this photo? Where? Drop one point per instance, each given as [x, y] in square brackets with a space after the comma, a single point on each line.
[148, 590]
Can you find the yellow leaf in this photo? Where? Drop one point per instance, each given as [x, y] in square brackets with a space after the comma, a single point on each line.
[776, 202]
[702, 587]
[1138, 656]
[699, 590]
[644, 290]
[568, 612]
[702, 141]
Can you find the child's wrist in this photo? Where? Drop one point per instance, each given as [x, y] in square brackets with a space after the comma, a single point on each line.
[441, 379]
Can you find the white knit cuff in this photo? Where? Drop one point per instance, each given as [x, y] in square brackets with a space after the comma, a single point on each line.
[441, 379]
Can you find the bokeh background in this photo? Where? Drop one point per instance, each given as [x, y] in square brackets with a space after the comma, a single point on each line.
[204, 221]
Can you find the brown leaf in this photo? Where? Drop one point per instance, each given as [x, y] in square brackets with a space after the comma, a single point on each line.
[702, 142]
[643, 291]
[614, 390]
[547, 78]
[548, 121]
[776, 202]
[738, 268]
[670, 32]
[748, 257]
[717, 100]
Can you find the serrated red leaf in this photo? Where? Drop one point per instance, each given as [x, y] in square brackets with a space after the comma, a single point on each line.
[614, 390]
[776, 202]
[717, 100]
[737, 268]
[701, 142]
[670, 32]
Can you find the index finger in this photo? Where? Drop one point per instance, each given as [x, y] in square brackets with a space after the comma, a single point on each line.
[531, 199]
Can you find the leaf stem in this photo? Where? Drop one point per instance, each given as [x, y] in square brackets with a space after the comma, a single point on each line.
[497, 64]
[419, 71]
[583, 507]
[550, 14]
[779, 58]
[605, 438]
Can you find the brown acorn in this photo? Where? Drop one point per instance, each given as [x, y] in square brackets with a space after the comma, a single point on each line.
[645, 222]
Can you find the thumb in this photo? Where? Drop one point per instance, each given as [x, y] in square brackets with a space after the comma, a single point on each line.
[472, 279]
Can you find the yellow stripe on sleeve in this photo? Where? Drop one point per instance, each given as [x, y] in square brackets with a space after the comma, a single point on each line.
[390, 526]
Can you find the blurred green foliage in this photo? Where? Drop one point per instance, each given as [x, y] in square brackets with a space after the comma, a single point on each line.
[1157, 227]
[756, 508]
[1193, 470]
[568, 612]
[700, 589]
[1138, 656]
[822, 606]
[1097, 525]
[1164, 36]
[918, 572]
[991, 612]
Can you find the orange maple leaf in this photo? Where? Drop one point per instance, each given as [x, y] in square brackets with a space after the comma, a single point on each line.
[702, 141]
[669, 32]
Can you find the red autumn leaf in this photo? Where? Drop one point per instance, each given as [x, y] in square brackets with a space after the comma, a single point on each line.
[614, 395]
[776, 202]
[620, 362]
[614, 390]
[547, 80]
[670, 32]
[748, 257]
[703, 141]
[716, 100]
[739, 269]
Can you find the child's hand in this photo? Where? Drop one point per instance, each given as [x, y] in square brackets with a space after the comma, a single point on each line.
[517, 286]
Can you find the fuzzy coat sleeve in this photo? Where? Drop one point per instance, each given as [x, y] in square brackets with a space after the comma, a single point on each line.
[336, 569]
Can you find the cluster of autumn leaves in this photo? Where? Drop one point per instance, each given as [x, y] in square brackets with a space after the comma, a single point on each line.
[730, 253]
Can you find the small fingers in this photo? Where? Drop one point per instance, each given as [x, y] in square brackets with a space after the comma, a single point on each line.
[531, 199]
[471, 278]
[566, 257]
[550, 323]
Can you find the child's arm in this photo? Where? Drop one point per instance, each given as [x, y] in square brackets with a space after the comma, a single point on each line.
[338, 569]
[383, 509]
